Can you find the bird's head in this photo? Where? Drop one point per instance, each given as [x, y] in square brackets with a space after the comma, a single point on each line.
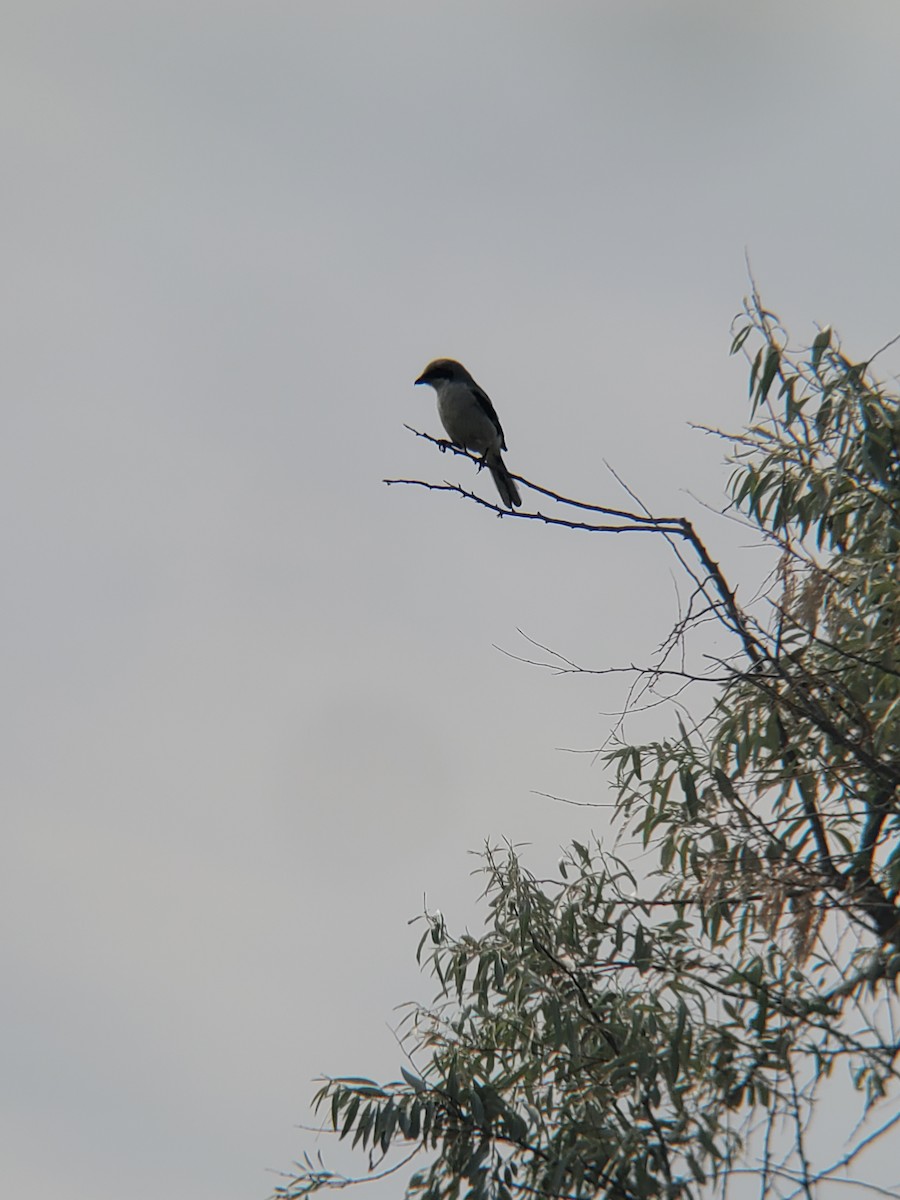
[444, 370]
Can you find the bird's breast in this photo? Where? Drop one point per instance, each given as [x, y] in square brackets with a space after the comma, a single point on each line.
[465, 420]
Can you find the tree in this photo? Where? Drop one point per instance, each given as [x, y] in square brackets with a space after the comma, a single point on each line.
[633, 1036]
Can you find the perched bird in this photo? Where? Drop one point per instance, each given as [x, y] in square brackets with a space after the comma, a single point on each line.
[470, 421]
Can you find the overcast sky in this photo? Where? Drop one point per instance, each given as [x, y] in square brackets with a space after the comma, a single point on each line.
[254, 705]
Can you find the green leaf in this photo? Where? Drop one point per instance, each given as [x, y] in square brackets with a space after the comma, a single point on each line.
[726, 787]
[641, 954]
[689, 787]
[739, 338]
[754, 369]
[769, 371]
[350, 1115]
[417, 1084]
[820, 343]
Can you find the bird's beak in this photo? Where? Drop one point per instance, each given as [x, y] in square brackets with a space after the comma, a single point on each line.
[421, 379]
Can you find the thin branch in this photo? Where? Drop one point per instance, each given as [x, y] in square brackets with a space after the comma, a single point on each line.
[887, 345]
[638, 527]
[630, 523]
[444, 446]
[314, 1180]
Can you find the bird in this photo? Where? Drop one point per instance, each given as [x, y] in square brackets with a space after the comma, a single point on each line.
[470, 420]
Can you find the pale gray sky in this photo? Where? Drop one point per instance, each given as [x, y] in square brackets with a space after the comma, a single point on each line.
[253, 708]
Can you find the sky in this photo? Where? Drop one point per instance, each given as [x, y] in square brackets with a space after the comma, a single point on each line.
[259, 708]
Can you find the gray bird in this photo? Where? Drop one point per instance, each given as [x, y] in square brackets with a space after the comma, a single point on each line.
[470, 421]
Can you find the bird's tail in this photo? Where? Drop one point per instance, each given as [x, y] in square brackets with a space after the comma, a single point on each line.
[506, 485]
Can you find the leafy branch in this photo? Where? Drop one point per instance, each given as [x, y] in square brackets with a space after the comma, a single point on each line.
[646, 1035]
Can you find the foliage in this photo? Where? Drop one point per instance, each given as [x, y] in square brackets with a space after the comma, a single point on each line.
[635, 1038]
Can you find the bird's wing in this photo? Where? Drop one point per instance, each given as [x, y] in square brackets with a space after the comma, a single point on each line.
[484, 402]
